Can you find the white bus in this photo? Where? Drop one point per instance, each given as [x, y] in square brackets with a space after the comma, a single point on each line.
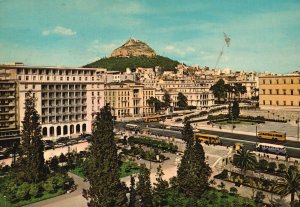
[132, 127]
[271, 148]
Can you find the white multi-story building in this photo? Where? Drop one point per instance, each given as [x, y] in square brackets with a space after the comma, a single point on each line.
[66, 97]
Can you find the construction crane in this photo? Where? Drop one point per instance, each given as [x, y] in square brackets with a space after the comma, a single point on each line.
[226, 42]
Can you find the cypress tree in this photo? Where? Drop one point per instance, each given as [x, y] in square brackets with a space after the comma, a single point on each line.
[132, 197]
[193, 173]
[144, 188]
[105, 190]
[160, 188]
[32, 167]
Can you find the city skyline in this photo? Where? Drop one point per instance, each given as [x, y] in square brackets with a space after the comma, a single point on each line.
[264, 35]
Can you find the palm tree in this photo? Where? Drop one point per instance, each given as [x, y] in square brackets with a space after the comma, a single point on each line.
[289, 184]
[245, 160]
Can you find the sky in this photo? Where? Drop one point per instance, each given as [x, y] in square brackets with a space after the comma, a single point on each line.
[265, 34]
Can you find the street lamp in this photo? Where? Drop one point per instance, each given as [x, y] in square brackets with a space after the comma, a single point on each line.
[297, 122]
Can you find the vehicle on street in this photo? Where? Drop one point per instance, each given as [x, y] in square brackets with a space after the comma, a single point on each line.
[132, 127]
[271, 148]
[272, 135]
[207, 138]
[153, 118]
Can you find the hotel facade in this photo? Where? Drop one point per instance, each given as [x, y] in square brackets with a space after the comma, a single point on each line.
[66, 98]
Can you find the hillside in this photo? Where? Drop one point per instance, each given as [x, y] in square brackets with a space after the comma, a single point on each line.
[121, 63]
[133, 47]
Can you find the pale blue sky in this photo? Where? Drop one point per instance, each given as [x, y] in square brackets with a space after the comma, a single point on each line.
[265, 34]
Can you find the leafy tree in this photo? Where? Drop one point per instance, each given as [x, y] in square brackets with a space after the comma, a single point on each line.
[182, 100]
[240, 89]
[289, 183]
[144, 187]
[102, 165]
[218, 89]
[262, 164]
[167, 99]
[54, 164]
[193, 172]
[32, 167]
[160, 187]
[245, 160]
[154, 102]
[235, 111]
[132, 197]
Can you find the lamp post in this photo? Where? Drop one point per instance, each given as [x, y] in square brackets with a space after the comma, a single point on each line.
[256, 130]
[297, 122]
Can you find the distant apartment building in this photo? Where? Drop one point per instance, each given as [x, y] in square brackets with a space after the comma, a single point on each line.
[66, 98]
[9, 123]
[280, 92]
[128, 98]
[117, 76]
[197, 95]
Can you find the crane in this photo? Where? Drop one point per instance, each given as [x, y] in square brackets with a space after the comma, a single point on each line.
[226, 42]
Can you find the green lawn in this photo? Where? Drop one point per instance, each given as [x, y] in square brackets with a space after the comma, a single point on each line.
[5, 203]
[127, 168]
[235, 122]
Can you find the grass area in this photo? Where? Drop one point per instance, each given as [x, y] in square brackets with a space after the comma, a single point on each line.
[236, 122]
[210, 198]
[5, 203]
[127, 168]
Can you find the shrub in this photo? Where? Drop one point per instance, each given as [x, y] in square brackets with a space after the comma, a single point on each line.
[262, 165]
[35, 190]
[282, 167]
[23, 191]
[233, 190]
[293, 167]
[48, 186]
[272, 167]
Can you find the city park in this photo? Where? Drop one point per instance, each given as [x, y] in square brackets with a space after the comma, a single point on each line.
[31, 178]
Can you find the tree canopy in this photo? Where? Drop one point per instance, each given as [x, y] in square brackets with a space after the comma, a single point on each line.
[105, 190]
[182, 100]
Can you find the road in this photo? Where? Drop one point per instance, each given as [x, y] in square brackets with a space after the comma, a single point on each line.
[293, 148]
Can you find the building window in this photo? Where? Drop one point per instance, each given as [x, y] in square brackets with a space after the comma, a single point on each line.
[292, 103]
[277, 103]
[292, 81]
[270, 91]
[61, 78]
[33, 86]
[80, 78]
[277, 91]
[284, 92]
[86, 78]
[292, 92]
[270, 81]
[299, 91]
[34, 78]
[284, 82]
[271, 103]
[277, 81]
[264, 102]
[264, 82]
[284, 103]
[264, 91]
[74, 79]
[27, 78]
[20, 77]
[26, 86]
[67, 78]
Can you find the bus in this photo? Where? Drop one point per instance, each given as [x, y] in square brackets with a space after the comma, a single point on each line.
[207, 138]
[132, 127]
[271, 148]
[153, 118]
[273, 135]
